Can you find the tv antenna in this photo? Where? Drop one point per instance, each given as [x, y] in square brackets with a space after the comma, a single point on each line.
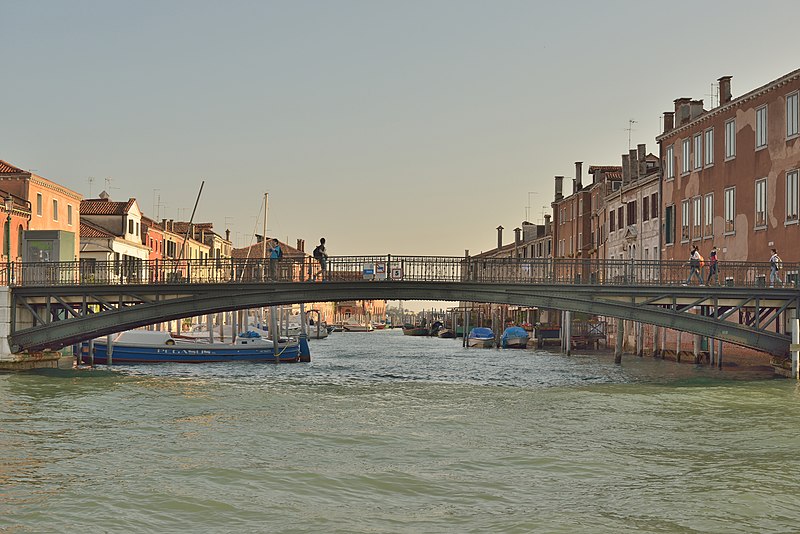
[714, 95]
[528, 207]
[91, 181]
[630, 128]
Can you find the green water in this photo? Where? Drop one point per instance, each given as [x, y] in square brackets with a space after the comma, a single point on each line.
[386, 433]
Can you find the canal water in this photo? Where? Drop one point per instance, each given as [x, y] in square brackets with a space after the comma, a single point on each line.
[385, 433]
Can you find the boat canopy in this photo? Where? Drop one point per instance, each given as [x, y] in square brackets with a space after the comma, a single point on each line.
[481, 332]
[514, 332]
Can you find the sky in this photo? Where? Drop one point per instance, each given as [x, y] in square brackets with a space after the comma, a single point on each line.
[386, 127]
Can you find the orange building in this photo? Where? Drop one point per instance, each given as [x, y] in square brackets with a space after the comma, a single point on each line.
[51, 206]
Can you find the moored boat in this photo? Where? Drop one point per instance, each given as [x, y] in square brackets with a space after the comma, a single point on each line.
[481, 337]
[144, 346]
[514, 337]
[446, 333]
[411, 330]
[355, 326]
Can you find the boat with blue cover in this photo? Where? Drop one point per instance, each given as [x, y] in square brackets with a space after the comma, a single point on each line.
[481, 337]
[514, 337]
[145, 346]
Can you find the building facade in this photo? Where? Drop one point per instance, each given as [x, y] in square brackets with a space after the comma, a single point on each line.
[730, 176]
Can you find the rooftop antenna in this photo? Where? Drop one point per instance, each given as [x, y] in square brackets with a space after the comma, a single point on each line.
[528, 207]
[630, 128]
[91, 181]
[714, 95]
[155, 203]
[109, 187]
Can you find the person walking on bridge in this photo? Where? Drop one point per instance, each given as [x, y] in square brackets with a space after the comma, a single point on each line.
[695, 264]
[713, 267]
[321, 255]
[775, 265]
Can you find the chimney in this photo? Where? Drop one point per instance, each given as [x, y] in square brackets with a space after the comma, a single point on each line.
[578, 173]
[227, 235]
[574, 190]
[499, 237]
[695, 109]
[559, 188]
[669, 121]
[724, 90]
[642, 157]
[259, 238]
[682, 110]
[301, 245]
[547, 222]
[517, 238]
[633, 164]
[626, 169]
[164, 224]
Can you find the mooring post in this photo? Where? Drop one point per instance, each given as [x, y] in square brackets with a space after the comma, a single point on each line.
[796, 349]
[618, 346]
[655, 341]
[719, 355]
[568, 335]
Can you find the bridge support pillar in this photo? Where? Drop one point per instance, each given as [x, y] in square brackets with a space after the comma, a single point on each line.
[620, 338]
[22, 361]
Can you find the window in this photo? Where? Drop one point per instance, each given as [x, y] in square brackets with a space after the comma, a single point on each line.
[730, 210]
[69, 214]
[709, 219]
[669, 225]
[761, 127]
[698, 151]
[697, 219]
[654, 205]
[632, 215]
[730, 139]
[620, 218]
[55, 209]
[611, 221]
[791, 196]
[761, 203]
[670, 163]
[130, 226]
[685, 156]
[685, 220]
[39, 202]
[791, 115]
[709, 147]
[645, 209]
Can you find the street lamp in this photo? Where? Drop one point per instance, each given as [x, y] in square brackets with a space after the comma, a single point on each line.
[9, 204]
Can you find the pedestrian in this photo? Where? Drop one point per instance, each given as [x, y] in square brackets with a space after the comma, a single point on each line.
[695, 266]
[321, 255]
[275, 255]
[775, 265]
[713, 267]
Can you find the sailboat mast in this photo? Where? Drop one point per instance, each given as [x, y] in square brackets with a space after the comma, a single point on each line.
[264, 241]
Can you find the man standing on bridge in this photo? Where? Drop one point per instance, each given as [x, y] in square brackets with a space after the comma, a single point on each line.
[321, 255]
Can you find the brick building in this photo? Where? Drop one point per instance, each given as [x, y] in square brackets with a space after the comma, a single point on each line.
[730, 174]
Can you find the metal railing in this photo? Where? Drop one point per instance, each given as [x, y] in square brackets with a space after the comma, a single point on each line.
[559, 271]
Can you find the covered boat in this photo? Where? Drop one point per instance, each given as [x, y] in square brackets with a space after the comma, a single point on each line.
[514, 337]
[446, 333]
[146, 346]
[481, 337]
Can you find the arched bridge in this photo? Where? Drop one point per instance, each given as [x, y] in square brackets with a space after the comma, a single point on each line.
[58, 304]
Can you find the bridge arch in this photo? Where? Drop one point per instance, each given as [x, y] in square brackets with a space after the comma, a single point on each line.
[153, 304]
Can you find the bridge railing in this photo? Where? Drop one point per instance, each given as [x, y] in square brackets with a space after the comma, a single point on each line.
[561, 271]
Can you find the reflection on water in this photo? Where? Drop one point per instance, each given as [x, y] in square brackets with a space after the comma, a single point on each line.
[386, 433]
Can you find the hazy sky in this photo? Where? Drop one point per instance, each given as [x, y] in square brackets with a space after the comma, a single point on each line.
[401, 127]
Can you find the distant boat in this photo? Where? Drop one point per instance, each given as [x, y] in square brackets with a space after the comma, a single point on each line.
[352, 325]
[146, 346]
[446, 333]
[514, 337]
[379, 326]
[411, 330]
[481, 337]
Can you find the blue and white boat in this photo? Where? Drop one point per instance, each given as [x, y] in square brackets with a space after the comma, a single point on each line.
[514, 337]
[145, 346]
[481, 337]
